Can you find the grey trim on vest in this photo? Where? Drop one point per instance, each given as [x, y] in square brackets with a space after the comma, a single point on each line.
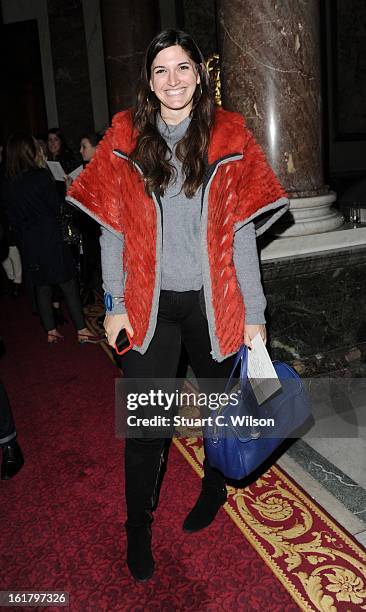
[119, 153]
[159, 247]
[207, 288]
[155, 301]
[8, 438]
[92, 215]
[282, 204]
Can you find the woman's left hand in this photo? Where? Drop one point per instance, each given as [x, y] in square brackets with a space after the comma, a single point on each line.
[252, 330]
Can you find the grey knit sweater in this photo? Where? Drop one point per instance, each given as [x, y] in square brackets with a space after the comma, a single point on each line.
[181, 262]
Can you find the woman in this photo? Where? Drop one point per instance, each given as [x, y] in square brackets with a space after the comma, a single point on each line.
[177, 186]
[9, 252]
[32, 207]
[90, 232]
[58, 150]
[88, 146]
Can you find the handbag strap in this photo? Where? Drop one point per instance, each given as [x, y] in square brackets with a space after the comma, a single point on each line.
[242, 356]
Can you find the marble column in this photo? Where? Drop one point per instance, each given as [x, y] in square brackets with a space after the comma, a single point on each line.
[270, 72]
[128, 27]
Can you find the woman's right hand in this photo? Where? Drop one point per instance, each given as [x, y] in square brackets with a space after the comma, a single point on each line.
[113, 323]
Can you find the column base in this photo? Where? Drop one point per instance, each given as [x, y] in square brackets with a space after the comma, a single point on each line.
[348, 237]
[314, 215]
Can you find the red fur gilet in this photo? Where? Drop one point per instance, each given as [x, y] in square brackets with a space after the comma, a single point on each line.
[113, 192]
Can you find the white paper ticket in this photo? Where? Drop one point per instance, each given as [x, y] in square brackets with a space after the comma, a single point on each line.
[261, 373]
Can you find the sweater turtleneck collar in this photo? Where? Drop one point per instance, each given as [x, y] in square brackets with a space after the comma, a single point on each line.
[172, 133]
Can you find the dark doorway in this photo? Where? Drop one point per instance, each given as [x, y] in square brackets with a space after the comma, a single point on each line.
[22, 104]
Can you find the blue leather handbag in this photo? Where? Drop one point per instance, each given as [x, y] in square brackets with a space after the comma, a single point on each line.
[235, 443]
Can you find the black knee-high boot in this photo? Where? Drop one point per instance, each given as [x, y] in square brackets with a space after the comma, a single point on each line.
[143, 464]
[213, 495]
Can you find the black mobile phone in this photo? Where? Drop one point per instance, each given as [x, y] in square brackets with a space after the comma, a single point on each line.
[123, 342]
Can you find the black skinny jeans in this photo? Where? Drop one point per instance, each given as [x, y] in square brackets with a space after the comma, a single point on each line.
[70, 290]
[180, 320]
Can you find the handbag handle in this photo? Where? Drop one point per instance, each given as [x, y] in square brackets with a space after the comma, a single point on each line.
[242, 356]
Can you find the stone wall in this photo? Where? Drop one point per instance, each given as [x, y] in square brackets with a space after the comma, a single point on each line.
[316, 311]
[200, 22]
[70, 64]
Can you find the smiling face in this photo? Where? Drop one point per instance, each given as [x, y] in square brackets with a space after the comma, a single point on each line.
[54, 144]
[174, 78]
[86, 149]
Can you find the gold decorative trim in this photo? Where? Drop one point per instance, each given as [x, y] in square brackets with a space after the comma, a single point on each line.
[214, 71]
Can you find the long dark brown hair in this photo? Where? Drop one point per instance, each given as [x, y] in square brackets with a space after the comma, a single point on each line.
[21, 154]
[151, 149]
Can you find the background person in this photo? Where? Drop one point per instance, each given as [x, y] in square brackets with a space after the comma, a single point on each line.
[9, 252]
[58, 150]
[32, 206]
[91, 273]
[12, 456]
[88, 146]
[12, 263]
